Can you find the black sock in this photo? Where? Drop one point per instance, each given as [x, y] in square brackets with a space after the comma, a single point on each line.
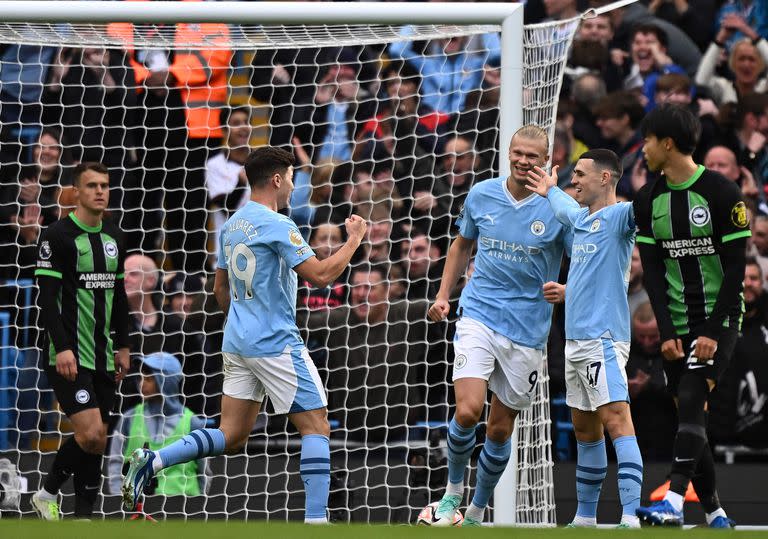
[704, 481]
[691, 432]
[87, 482]
[63, 465]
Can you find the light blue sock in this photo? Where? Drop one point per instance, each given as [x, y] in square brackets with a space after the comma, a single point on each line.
[195, 445]
[630, 473]
[591, 466]
[316, 473]
[461, 443]
[491, 464]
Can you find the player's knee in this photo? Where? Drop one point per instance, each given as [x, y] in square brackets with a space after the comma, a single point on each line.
[234, 441]
[499, 432]
[92, 440]
[468, 414]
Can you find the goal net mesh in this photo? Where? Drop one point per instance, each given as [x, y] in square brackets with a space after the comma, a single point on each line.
[394, 124]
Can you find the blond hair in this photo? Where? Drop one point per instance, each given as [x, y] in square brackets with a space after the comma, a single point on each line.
[533, 132]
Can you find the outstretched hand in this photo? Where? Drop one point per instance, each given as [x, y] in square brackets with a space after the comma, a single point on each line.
[540, 182]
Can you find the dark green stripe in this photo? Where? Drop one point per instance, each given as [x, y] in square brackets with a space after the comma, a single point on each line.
[85, 305]
[736, 235]
[645, 239]
[48, 273]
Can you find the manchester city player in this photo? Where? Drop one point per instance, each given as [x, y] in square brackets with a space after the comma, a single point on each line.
[597, 328]
[260, 253]
[504, 324]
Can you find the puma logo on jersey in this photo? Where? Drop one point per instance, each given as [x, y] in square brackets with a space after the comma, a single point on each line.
[490, 218]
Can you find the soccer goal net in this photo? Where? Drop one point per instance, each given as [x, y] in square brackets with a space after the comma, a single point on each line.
[391, 117]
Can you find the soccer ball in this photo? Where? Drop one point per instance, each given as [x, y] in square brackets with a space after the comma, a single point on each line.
[427, 516]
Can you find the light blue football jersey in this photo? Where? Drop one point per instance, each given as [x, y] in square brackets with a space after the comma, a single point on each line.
[259, 249]
[519, 248]
[596, 303]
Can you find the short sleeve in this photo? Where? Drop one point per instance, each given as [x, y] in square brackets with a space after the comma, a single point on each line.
[465, 222]
[289, 242]
[221, 261]
[642, 216]
[51, 254]
[625, 219]
[732, 222]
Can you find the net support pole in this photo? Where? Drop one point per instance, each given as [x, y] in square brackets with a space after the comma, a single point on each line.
[510, 119]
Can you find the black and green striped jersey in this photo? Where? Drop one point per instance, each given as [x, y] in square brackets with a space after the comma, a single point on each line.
[686, 233]
[87, 262]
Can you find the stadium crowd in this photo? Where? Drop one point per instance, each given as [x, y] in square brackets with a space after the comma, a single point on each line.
[397, 134]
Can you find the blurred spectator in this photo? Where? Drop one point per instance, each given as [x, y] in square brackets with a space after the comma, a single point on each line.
[423, 266]
[746, 61]
[559, 10]
[199, 79]
[692, 16]
[618, 116]
[564, 123]
[561, 157]
[479, 122]
[29, 199]
[586, 92]
[378, 246]
[24, 71]
[160, 419]
[723, 160]
[635, 291]
[747, 137]
[324, 240]
[738, 404]
[90, 95]
[758, 246]
[285, 79]
[450, 68]
[682, 50]
[154, 330]
[738, 15]
[341, 106]
[225, 179]
[376, 350]
[653, 410]
[598, 29]
[648, 59]
[180, 292]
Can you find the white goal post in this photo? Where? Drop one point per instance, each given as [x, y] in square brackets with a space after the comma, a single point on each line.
[531, 68]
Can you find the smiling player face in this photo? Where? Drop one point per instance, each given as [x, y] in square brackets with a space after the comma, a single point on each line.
[524, 154]
[587, 182]
[285, 190]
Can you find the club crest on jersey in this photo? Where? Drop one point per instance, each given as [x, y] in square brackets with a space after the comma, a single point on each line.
[45, 250]
[538, 228]
[82, 396]
[295, 238]
[739, 215]
[110, 249]
[595, 226]
[699, 215]
[461, 360]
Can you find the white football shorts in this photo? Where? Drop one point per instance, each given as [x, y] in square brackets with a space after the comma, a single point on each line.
[595, 373]
[290, 380]
[511, 370]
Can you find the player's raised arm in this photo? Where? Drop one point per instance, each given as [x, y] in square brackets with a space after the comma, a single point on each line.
[321, 273]
[455, 265]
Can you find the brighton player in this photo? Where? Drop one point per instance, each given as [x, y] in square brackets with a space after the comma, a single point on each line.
[263, 351]
[692, 232]
[504, 324]
[597, 328]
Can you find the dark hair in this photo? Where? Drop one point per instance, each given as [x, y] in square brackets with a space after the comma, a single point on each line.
[82, 168]
[605, 160]
[753, 103]
[673, 82]
[647, 28]
[752, 261]
[675, 122]
[617, 104]
[225, 113]
[265, 162]
[368, 267]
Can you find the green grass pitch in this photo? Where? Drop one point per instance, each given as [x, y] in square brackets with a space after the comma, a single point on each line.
[33, 529]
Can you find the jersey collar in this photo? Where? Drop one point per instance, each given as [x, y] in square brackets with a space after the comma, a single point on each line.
[516, 203]
[689, 182]
[82, 225]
